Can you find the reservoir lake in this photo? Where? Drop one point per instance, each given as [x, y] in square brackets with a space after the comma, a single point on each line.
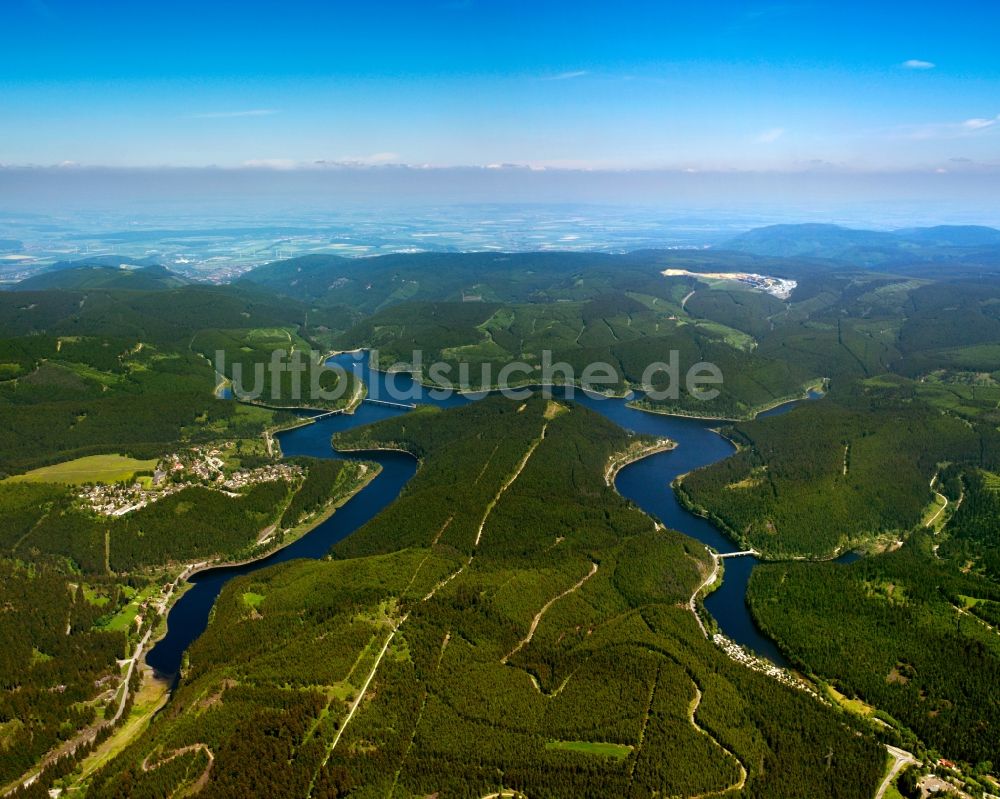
[646, 482]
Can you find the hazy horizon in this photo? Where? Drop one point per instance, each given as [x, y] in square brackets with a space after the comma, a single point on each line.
[883, 113]
[860, 199]
[335, 113]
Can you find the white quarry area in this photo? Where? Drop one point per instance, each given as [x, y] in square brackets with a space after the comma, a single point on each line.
[780, 287]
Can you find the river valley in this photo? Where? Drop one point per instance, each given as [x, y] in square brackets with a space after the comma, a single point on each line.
[646, 482]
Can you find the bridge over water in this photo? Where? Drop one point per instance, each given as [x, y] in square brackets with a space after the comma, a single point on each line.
[402, 405]
[405, 405]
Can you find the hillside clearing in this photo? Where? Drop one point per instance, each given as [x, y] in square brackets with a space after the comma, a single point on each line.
[89, 469]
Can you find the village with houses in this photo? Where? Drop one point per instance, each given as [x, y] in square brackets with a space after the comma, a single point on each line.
[204, 466]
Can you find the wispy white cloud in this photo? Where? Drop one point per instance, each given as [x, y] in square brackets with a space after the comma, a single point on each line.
[771, 135]
[374, 158]
[345, 162]
[917, 63]
[576, 73]
[978, 123]
[947, 130]
[769, 12]
[253, 112]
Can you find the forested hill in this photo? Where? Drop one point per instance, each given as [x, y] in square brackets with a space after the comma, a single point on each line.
[887, 629]
[98, 276]
[940, 319]
[819, 240]
[836, 474]
[962, 245]
[906, 471]
[794, 251]
[173, 314]
[530, 627]
[106, 371]
[101, 370]
[118, 465]
[371, 283]
[510, 623]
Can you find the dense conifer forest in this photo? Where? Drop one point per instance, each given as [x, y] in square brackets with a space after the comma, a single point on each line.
[892, 630]
[834, 474]
[510, 622]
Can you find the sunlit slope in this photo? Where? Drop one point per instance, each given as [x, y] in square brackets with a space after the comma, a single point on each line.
[509, 622]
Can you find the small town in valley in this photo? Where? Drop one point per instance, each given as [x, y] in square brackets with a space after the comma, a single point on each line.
[177, 471]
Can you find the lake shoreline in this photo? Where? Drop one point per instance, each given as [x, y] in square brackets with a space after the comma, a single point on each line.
[182, 582]
[287, 541]
[806, 393]
[618, 462]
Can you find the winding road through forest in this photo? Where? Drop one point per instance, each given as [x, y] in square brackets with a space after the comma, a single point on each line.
[709, 580]
[692, 709]
[698, 446]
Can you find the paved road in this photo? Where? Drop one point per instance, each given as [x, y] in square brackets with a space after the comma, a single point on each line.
[90, 733]
[704, 584]
[900, 758]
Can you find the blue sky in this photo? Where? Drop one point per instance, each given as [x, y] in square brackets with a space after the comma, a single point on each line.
[694, 85]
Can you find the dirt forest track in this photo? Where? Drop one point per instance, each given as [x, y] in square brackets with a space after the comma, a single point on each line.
[538, 616]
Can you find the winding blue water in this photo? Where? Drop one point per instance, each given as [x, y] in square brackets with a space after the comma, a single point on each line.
[646, 482]
[188, 617]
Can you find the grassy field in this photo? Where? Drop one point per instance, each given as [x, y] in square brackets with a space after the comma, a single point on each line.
[733, 337]
[151, 697]
[934, 516]
[94, 597]
[964, 399]
[270, 335]
[92, 373]
[124, 620]
[617, 751]
[853, 705]
[892, 793]
[984, 357]
[91, 469]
